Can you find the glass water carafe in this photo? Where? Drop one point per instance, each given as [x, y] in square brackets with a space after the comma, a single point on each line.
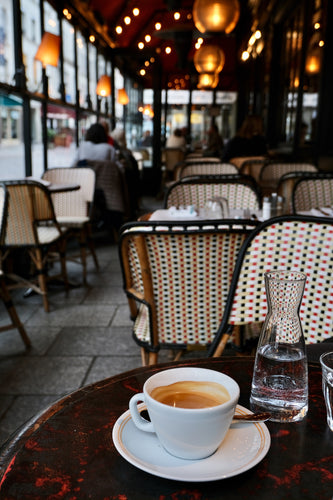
[280, 378]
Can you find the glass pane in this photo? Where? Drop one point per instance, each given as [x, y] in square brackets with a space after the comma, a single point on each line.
[119, 84]
[92, 74]
[51, 24]
[7, 61]
[11, 140]
[81, 46]
[60, 133]
[31, 35]
[69, 67]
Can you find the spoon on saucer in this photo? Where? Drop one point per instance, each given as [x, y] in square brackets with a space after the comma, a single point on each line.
[252, 417]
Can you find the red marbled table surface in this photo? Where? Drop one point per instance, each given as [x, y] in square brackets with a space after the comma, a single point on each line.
[67, 451]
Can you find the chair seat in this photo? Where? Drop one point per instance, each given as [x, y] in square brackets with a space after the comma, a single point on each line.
[72, 221]
[47, 235]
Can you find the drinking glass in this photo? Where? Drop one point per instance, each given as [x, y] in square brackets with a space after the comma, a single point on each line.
[326, 361]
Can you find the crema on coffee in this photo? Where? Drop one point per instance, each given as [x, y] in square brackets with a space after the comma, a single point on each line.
[191, 394]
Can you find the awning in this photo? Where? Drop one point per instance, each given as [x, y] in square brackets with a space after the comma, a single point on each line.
[60, 113]
[6, 100]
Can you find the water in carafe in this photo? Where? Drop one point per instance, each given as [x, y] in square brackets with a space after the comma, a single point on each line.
[280, 380]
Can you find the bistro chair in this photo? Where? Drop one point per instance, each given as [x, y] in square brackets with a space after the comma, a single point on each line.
[30, 225]
[314, 192]
[206, 168]
[15, 321]
[73, 210]
[170, 158]
[176, 277]
[271, 173]
[298, 243]
[240, 191]
[202, 159]
[251, 166]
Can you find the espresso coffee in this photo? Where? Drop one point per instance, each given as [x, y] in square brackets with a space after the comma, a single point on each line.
[191, 394]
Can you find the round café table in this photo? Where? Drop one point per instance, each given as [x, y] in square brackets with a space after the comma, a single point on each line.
[67, 452]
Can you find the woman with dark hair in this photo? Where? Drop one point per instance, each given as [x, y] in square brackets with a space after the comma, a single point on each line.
[95, 146]
[249, 140]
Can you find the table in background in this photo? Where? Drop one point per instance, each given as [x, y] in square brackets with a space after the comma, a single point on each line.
[67, 451]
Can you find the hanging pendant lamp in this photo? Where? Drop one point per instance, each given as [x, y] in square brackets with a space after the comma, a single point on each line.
[209, 59]
[216, 15]
[208, 80]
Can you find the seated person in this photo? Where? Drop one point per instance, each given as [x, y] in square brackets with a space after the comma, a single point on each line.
[94, 147]
[249, 140]
[176, 140]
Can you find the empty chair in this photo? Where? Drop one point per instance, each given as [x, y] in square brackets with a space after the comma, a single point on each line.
[207, 168]
[286, 186]
[15, 321]
[284, 243]
[171, 157]
[73, 209]
[271, 173]
[240, 192]
[30, 224]
[251, 166]
[313, 192]
[176, 279]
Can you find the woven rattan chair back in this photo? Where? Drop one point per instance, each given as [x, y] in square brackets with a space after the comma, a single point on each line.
[72, 203]
[202, 159]
[284, 243]
[252, 166]
[313, 192]
[271, 172]
[73, 209]
[239, 192]
[208, 168]
[177, 277]
[31, 224]
[30, 215]
[15, 321]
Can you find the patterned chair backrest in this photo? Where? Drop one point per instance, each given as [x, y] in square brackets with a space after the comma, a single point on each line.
[172, 156]
[29, 208]
[202, 159]
[272, 172]
[181, 275]
[312, 193]
[72, 203]
[209, 168]
[285, 243]
[198, 191]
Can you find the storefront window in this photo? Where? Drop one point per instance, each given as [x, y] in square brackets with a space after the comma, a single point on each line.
[11, 144]
[30, 18]
[7, 67]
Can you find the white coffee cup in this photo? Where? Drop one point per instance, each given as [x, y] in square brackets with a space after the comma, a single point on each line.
[190, 433]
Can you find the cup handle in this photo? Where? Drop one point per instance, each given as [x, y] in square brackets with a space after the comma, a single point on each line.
[139, 421]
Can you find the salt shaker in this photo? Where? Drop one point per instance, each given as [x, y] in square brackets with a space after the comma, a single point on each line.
[266, 208]
[280, 378]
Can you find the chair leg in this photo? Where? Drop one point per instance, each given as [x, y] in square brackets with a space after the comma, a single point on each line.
[83, 253]
[12, 313]
[143, 357]
[41, 270]
[221, 346]
[153, 358]
[91, 245]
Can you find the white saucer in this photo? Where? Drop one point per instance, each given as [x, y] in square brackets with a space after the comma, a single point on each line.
[244, 446]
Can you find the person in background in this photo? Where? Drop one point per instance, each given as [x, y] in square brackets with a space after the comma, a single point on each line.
[107, 130]
[176, 140]
[214, 143]
[131, 170]
[94, 147]
[248, 141]
[147, 140]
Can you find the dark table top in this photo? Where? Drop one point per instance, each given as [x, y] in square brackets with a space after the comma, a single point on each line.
[68, 452]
